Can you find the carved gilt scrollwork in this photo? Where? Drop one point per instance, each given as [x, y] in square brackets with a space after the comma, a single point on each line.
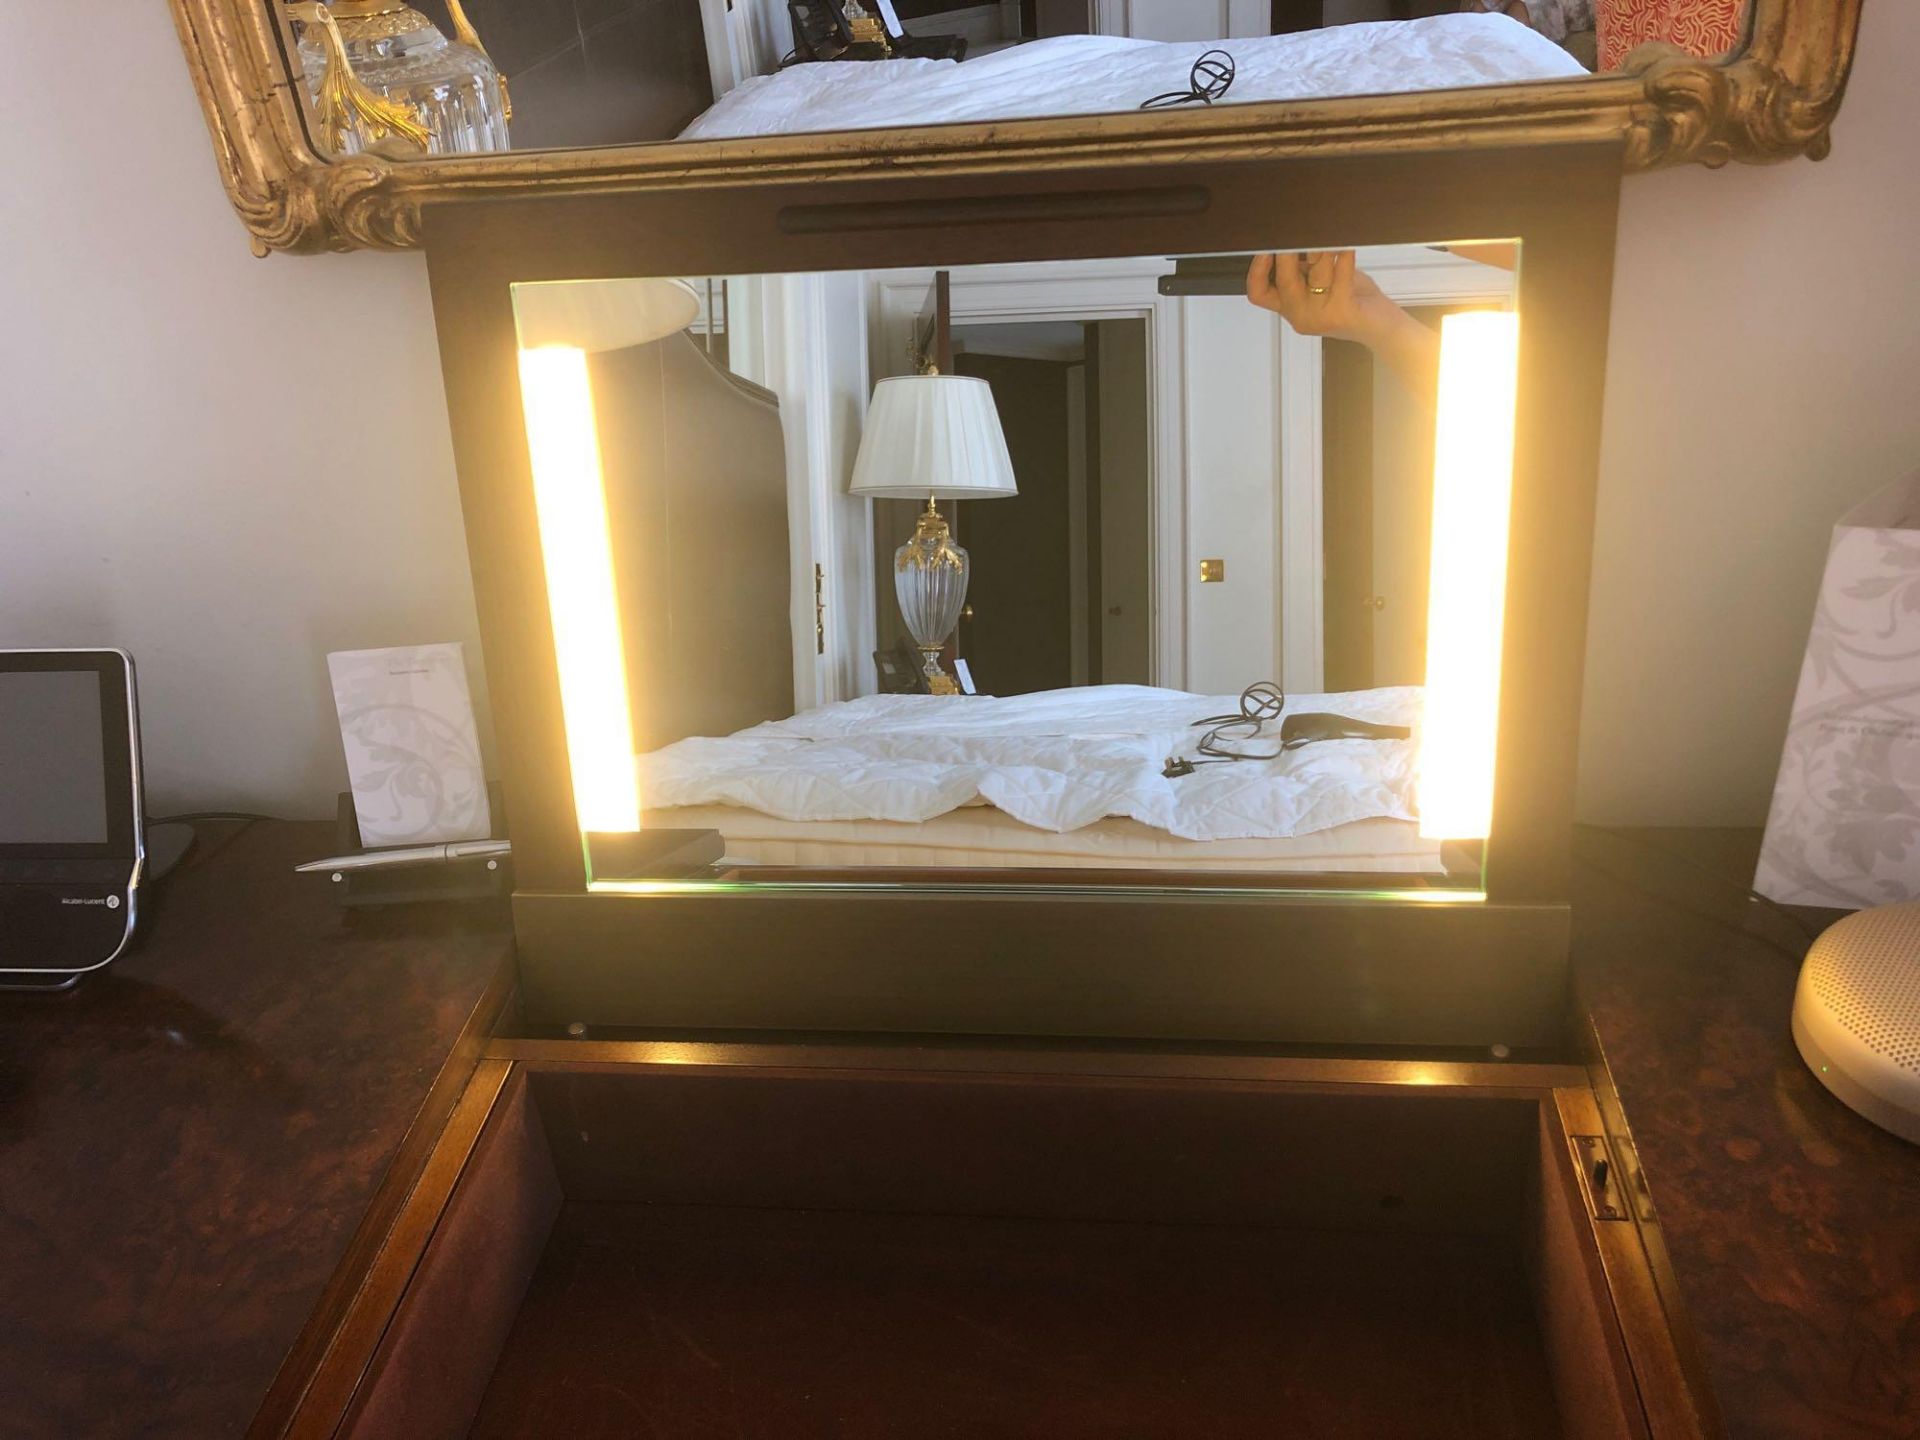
[1775, 99]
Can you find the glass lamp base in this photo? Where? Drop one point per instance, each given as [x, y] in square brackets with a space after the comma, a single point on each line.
[930, 582]
[938, 681]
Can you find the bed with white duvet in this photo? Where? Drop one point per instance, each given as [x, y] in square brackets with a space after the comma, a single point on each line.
[1062, 778]
[1093, 74]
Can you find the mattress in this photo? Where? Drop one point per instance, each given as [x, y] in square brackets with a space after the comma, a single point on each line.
[1092, 74]
[1055, 760]
[982, 837]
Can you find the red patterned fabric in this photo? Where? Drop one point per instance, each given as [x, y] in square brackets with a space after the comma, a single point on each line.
[1700, 27]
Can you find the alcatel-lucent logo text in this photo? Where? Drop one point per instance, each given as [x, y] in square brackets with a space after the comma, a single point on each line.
[112, 902]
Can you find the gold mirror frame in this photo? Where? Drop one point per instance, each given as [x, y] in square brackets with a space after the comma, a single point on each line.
[1774, 98]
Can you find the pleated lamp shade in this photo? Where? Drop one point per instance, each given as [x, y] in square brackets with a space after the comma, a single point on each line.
[933, 436]
[602, 314]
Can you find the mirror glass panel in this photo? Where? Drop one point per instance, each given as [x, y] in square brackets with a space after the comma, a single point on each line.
[1175, 570]
[603, 72]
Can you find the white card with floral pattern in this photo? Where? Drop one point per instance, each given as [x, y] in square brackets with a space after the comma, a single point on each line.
[1844, 828]
[413, 750]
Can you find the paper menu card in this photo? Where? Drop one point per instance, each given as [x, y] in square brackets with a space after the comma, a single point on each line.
[1844, 828]
[413, 750]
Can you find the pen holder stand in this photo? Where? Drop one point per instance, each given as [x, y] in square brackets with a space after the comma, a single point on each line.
[476, 877]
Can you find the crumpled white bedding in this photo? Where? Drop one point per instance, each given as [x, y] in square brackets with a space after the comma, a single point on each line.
[1057, 760]
[1089, 74]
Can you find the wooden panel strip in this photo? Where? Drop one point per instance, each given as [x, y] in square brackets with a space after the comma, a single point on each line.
[274, 1418]
[428, 1375]
[322, 1391]
[1495, 1078]
[1592, 1374]
[1653, 1239]
[1673, 1411]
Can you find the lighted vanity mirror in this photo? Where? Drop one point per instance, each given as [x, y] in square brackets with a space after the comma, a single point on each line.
[1070, 573]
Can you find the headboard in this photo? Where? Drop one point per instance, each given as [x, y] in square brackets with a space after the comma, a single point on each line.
[696, 480]
[632, 70]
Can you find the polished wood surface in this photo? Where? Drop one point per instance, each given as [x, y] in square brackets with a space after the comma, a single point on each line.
[427, 1376]
[825, 1325]
[1790, 1222]
[1131, 1060]
[888, 1130]
[1101, 1149]
[321, 1376]
[190, 1142]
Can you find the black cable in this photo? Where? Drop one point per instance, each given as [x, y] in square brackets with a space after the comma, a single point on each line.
[1261, 702]
[193, 817]
[1209, 79]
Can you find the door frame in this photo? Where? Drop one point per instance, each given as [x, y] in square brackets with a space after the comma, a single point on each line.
[1408, 275]
[778, 337]
[1080, 290]
[1128, 289]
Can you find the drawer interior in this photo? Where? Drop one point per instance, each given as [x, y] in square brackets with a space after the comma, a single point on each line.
[762, 1252]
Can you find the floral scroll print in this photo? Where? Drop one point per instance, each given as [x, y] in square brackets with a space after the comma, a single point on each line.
[1844, 829]
[1707, 28]
[413, 751]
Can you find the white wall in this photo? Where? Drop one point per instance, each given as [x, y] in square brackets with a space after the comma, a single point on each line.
[805, 338]
[1764, 374]
[1182, 19]
[164, 485]
[229, 466]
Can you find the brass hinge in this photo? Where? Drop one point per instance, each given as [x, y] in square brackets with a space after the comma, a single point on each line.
[1600, 1180]
[819, 609]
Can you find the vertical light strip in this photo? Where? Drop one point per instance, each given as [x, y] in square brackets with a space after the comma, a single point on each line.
[570, 498]
[1466, 606]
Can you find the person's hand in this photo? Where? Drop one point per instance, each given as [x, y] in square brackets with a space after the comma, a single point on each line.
[1321, 292]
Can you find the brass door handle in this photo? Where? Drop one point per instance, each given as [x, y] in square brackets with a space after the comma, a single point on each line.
[966, 612]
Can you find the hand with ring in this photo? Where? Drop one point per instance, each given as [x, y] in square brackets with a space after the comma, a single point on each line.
[1325, 293]
[1320, 292]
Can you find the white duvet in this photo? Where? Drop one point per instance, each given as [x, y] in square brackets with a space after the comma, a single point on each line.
[1089, 74]
[1057, 760]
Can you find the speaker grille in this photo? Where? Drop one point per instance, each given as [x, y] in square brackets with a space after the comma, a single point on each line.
[1865, 971]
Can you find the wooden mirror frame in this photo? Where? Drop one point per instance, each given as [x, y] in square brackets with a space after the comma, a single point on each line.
[1280, 965]
[1774, 97]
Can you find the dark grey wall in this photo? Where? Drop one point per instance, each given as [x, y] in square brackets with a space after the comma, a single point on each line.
[593, 72]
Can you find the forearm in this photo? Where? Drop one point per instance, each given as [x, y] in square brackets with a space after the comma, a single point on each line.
[1406, 347]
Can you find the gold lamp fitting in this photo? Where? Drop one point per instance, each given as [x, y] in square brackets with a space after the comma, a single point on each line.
[932, 545]
[344, 102]
[866, 28]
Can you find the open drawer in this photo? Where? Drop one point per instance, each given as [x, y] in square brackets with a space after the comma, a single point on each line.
[619, 1239]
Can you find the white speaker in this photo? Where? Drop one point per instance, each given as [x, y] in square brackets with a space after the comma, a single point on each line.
[1856, 1015]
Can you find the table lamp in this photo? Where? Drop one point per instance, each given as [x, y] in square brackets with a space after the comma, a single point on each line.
[938, 436]
[595, 315]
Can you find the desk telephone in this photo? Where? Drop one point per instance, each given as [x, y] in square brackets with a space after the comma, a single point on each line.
[849, 30]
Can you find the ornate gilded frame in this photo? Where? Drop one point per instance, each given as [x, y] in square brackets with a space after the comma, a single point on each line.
[1774, 98]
